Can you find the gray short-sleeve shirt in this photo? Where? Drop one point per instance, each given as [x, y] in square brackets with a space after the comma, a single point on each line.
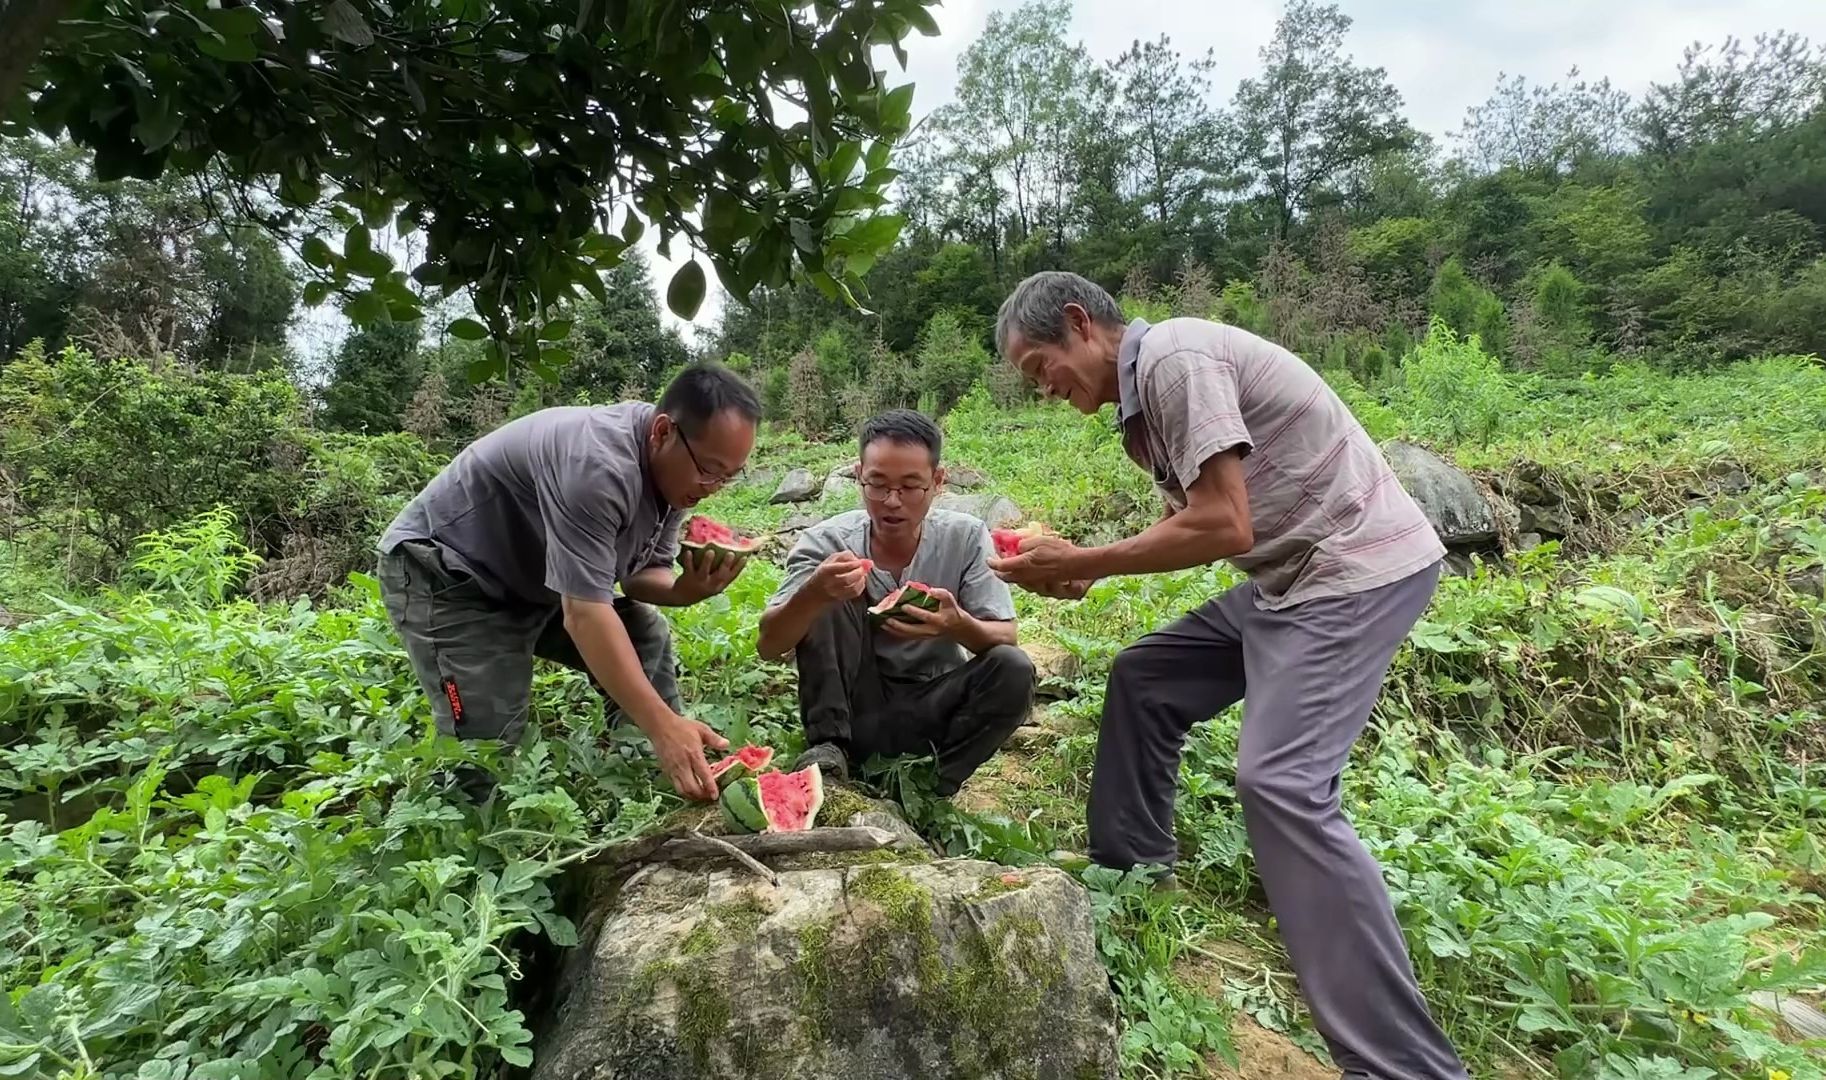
[953, 554]
[559, 502]
[1329, 515]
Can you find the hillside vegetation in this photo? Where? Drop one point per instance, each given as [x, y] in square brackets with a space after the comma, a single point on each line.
[229, 852]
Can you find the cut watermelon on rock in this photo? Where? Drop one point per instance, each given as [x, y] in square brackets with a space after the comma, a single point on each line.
[747, 761]
[703, 534]
[774, 801]
[912, 594]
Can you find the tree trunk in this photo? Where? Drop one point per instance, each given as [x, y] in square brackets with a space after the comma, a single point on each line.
[24, 25]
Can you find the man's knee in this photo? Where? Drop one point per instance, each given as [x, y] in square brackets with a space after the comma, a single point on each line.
[1264, 787]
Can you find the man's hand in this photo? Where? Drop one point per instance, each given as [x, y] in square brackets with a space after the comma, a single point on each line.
[840, 577]
[679, 743]
[1043, 561]
[701, 580]
[945, 622]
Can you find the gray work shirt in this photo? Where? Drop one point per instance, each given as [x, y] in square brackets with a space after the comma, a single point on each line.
[1329, 515]
[557, 503]
[953, 553]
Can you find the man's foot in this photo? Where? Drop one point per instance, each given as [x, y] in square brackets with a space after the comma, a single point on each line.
[832, 763]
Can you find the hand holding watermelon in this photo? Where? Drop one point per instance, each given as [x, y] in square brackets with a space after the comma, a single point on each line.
[841, 577]
[1041, 561]
[679, 744]
[918, 623]
[704, 574]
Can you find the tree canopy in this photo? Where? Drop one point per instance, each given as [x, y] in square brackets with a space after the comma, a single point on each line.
[513, 133]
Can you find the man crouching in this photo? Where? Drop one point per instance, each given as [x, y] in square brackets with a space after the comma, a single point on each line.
[949, 681]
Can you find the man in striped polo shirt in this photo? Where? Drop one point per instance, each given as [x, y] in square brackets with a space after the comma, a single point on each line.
[1260, 463]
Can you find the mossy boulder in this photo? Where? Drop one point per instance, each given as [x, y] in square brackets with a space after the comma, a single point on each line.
[951, 968]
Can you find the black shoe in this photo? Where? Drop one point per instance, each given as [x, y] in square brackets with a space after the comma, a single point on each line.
[832, 762]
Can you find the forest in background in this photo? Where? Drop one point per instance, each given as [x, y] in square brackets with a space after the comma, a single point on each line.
[1565, 223]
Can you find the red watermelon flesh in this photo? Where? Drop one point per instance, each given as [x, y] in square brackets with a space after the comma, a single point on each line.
[703, 530]
[791, 800]
[1007, 543]
[746, 761]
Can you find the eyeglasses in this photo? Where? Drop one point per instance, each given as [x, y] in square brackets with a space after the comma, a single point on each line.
[710, 479]
[876, 491]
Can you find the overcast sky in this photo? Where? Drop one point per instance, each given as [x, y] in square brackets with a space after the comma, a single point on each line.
[1443, 55]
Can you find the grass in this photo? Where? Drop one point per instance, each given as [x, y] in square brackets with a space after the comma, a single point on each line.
[1592, 781]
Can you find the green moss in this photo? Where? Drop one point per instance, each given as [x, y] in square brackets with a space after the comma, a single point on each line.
[701, 941]
[999, 885]
[814, 970]
[703, 1014]
[740, 918]
[907, 904]
[839, 860]
[840, 804]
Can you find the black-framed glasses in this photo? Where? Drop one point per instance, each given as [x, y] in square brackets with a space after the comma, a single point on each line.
[875, 491]
[709, 478]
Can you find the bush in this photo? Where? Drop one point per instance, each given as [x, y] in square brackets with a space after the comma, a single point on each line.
[950, 362]
[105, 451]
[1452, 391]
[1468, 308]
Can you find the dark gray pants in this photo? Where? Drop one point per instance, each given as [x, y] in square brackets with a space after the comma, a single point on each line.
[474, 655]
[1311, 673]
[961, 717]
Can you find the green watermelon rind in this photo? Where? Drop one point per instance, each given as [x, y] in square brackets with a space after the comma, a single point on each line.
[741, 806]
[741, 548]
[885, 610]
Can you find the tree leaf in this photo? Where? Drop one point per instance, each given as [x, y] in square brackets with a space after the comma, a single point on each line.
[686, 292]
[342, 22]
[315, 252]
[467, 330]
[556, 330]
[235, 50]
[315, 292]
[897, 109]
[554, 357]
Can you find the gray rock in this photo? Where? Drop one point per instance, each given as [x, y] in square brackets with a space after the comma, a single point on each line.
[964, 478]
[874, 971]
[1528, 541]
[1552, 521]
[992, 509]
[841, 492]
[1457, 510]
[797, 486]
[799, 523]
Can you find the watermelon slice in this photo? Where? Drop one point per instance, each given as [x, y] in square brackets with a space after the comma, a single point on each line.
[1008, 541]
[747, 761]
[774, 801]
[912, 594]
[703, 534]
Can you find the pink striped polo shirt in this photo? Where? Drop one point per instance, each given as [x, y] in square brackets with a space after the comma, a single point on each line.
[1329, 516]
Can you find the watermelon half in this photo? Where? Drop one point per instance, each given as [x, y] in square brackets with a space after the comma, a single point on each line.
[703, 534]
[747, 761]
[912, 594]
[774, 801]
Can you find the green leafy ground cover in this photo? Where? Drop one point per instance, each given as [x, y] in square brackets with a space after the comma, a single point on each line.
[1592, 781]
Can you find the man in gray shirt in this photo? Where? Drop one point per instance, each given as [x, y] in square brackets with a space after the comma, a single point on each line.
[1260, 463]
[517, 548]
[949, 682]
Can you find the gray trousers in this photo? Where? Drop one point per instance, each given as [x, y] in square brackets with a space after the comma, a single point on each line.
[1308, 677]
[474, 655]
[961, 717]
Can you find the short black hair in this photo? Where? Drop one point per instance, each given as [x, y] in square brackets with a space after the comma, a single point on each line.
[902, 426]
[704, 389]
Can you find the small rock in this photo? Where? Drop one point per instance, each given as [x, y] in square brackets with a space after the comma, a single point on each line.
[993, 510]
[841, 492]
[1528, 541]
[1459, 513]
[1460, 564]
[798, 486]
[1551, 521]
[964, 478]
[1809, 582]
[799, 523]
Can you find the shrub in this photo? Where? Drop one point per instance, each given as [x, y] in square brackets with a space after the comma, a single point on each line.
[950, 362]
[1452, 390]
[1468, 308]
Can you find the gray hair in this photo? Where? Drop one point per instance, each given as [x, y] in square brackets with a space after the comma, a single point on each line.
[1036, 308]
